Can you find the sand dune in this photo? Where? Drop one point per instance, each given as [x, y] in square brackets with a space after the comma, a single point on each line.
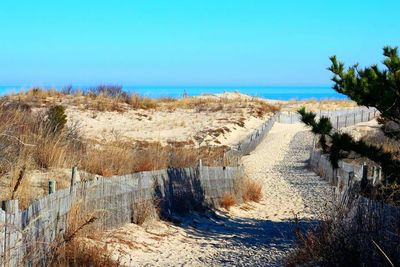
[218, 119]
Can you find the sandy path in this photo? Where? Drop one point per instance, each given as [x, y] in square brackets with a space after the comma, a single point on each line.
[289, 188]
[256, 234]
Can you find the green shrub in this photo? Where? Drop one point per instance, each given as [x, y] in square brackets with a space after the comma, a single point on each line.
[56, 118]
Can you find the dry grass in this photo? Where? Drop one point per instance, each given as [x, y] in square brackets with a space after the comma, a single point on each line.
[349, 237]
[252, 191]
[28, 144]
[388, 144]
[183, 157]
[138, 102]
[79, 245]
[258, 108]
[113, 98]
[120, 158]
[144, 211]
[101, 98]
[247, 189]
[316, 105]
[228, 201]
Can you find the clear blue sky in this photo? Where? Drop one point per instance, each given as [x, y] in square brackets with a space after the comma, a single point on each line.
[204, 42]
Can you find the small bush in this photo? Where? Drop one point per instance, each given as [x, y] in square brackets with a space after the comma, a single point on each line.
[227, 201]
[143, 211]
[138, 102]
[361, 233]
[78, 245]
[247, 189]
[57, 118]
[252, 191]
[182, 157]
[121, 158]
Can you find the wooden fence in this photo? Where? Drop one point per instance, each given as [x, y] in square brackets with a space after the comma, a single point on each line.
[347, 174]
[26, 235]
[339, 117]
[249, 143]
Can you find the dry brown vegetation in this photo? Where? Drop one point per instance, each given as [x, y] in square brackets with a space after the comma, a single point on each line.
[145, 210]
[101, 98]
[29, 142]
[83, 244]
[367, 234]
[380, 139]
[79, 245]
[113, 98]
[315, 105]
[228, 201]
[247, 189]
[252, 191]
[258, 108]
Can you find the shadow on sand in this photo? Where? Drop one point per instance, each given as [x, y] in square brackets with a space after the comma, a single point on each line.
[244, 231]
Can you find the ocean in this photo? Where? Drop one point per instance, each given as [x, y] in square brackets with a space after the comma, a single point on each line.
[271, 92]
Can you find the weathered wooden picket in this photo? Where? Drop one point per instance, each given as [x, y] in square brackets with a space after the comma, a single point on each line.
[339, 117]
[26, 235]
[347, 173]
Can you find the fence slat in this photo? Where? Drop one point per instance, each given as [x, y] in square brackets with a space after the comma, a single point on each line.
[46, 218]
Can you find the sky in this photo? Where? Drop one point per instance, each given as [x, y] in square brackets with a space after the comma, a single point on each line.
[192, 42]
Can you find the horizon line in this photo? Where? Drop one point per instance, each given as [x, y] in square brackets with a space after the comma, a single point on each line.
[130, 85]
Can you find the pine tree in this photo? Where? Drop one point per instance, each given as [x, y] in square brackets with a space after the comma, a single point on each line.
[371, 87]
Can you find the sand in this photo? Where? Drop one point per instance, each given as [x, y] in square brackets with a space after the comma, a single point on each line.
[363, 129]
[252, 234]
[214, 119]
[180, 125]
[237, 95]
[316, 105]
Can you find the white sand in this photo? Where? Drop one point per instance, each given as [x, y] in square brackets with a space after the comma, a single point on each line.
[252, 234]
[363, 129]
[178, 125]
[237, 95]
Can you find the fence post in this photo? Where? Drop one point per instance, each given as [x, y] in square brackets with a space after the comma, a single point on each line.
[369, 114]
[200, 169]
[379, 174]
[337, 122]
[351, 177]
[73, 177]
[373, 175]
[11, 207]
[362, 115]
[376, 174]
[364, 179]
[354, 118]
[52, 186]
